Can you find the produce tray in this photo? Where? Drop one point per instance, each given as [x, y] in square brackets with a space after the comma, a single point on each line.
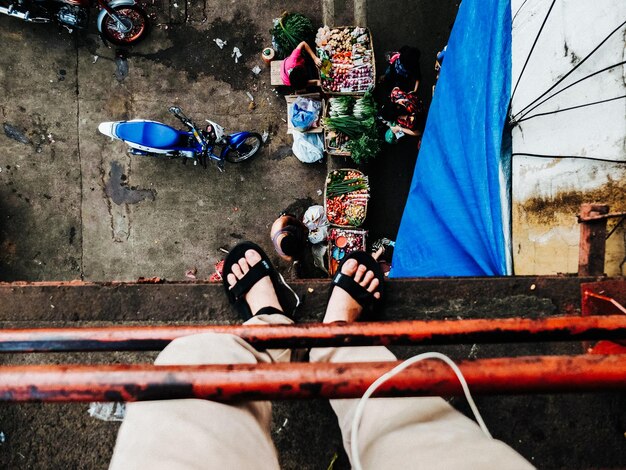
[328, 135]
[341, 242]
[355, 93]
[333, 224]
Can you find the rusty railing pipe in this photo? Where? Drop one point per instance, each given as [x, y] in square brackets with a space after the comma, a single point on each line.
[430, 332]
[533, 374]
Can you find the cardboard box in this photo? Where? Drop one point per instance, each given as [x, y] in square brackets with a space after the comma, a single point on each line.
[292, 98]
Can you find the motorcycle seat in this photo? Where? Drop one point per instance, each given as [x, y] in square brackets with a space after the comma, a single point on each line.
[149, 134]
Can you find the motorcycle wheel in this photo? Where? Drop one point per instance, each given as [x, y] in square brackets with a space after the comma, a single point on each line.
[136, 22]
[246, 149]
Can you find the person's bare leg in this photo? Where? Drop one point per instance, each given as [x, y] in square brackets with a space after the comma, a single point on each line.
[193, 433]
[341, 306]
[262, 294]
[413, 433]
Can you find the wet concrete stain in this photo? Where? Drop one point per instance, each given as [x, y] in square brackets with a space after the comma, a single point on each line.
[281, 153]
[72, 235]
[299, 206]
[37, 136]
[14, 133]
[118, 191]
[121, 66]
[194, 52]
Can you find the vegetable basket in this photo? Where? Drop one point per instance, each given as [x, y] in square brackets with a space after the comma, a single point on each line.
[342, 242]
[371, 63]
[330, 148]
[348, 209]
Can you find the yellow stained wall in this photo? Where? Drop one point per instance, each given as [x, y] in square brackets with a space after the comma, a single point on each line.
[546, 232]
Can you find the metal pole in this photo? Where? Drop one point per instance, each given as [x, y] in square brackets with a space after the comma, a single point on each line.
[534, 374]
[592, 244]
[431, 332]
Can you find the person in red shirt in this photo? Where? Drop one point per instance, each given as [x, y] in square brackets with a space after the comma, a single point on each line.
[294, 72]
[407, 111]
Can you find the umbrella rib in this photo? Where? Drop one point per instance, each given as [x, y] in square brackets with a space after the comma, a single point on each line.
[570, 72]
[518, 10]
[570, 108]
[579, 157]
[532, 48]
[567, 87]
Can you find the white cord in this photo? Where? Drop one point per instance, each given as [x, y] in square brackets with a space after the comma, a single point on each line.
[290, 289]
[354, 445]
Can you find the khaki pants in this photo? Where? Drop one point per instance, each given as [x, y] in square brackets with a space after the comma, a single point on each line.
[395, 433]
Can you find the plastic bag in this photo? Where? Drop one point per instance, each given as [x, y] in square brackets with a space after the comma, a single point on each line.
[317, 223]
[305, 113]
[107, 411]
[308, 148]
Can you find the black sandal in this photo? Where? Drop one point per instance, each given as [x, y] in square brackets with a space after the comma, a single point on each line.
[371, 305]
[287, 298]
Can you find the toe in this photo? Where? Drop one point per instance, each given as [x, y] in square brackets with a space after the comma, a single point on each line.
[236, 269]
[360, 272]
[369, 275]
[349, 267]
[232, 280]
[373, 287]
[252, 257]
[243, 264]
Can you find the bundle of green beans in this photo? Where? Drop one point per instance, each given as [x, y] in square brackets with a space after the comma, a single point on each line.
[290, 30]
[346, 186]
[349, 125]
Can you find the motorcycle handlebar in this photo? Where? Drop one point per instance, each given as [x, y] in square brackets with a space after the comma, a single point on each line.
[176, 111]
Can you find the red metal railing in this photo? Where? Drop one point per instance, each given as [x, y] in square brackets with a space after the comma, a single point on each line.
[535, 374]
[432, 332]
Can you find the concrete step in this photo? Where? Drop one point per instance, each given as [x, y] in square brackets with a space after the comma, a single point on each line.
[205, 302]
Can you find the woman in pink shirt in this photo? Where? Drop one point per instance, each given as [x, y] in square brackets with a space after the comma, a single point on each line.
[293, 71]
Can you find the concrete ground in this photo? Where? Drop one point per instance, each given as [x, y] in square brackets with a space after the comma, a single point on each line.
[73, 205]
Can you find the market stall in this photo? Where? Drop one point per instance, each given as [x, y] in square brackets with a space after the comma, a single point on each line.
[346, 195]
[348, 65]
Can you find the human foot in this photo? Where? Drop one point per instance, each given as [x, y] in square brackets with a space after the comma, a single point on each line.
[343, 306]
[262, 294]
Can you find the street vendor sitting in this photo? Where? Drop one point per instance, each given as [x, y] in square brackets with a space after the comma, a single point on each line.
[405, 112]
[403, 70]
[294, 71]
[289, 237]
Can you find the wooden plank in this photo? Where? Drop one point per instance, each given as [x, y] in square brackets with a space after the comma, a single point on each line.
[275, 67]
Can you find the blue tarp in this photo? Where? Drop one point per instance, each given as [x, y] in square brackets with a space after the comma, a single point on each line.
[453, 223]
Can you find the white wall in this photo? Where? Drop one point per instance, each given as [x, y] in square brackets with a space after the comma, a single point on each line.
[546, 192]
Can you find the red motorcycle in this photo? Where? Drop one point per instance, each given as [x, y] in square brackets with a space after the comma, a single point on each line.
[120, 22]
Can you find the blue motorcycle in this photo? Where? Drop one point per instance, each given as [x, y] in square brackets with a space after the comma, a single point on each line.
[150, 138]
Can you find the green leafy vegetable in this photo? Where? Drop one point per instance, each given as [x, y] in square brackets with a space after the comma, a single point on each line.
[290, 30]
[364, 148]
[365, 107]
[341, 106]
